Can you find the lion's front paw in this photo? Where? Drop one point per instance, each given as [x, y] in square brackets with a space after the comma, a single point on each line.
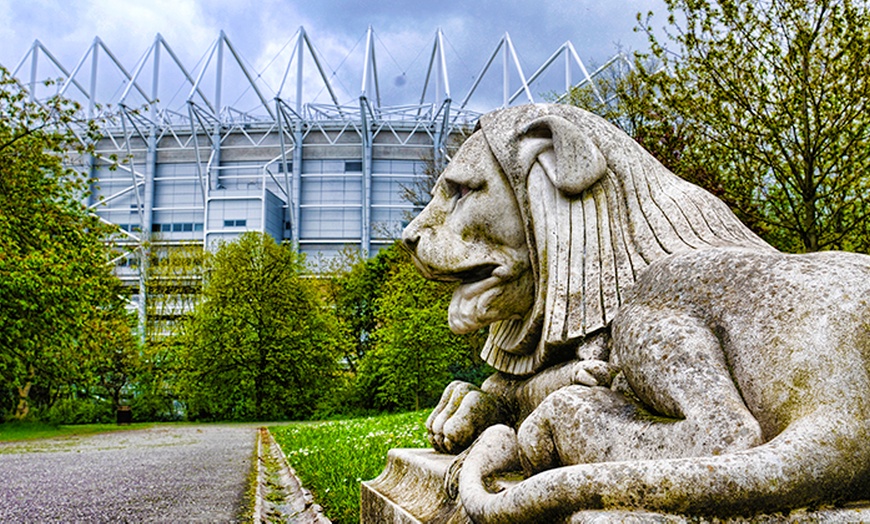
[594, 373]
[463, 412]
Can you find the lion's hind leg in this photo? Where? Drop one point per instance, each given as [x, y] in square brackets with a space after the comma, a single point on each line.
[689, 403]
[678, 369]
[579, 424]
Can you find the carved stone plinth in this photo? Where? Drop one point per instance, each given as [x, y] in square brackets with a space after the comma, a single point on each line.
[410, 490]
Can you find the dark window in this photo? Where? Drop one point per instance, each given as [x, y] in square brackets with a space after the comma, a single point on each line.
[187, 227]
[352, 166]
[281, 167]
[177, 227]
[155, 228]
[197, 227]
[235, 223]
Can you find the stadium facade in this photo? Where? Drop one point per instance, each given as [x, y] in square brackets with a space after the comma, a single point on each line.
[180, 164]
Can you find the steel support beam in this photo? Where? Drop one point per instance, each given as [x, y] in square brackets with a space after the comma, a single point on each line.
[366, 131]
[295, 204]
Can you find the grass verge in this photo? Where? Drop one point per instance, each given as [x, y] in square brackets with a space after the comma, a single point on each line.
[333, 457]
[22, 431]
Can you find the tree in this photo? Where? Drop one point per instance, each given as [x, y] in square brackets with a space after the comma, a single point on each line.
[173, 284]
[173, 288]
[631, 98]
[259, 345]
[55, 280]
[106, 359]
[112, 357]
[353, 290]
[777, 93]
[414, 355]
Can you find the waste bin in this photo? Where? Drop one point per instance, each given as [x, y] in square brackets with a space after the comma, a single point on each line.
[125, 415]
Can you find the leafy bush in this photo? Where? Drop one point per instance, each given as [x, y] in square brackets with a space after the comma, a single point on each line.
[79, 411]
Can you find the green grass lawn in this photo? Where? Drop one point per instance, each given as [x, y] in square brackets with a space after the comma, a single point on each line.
[19, 431]
[333, 457]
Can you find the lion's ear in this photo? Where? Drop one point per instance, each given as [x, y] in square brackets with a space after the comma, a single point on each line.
[571, 160]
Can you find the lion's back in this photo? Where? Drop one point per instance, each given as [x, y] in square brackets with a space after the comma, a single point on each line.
[758, 287]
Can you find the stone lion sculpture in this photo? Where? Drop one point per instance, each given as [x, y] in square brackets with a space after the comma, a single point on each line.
[653, 354]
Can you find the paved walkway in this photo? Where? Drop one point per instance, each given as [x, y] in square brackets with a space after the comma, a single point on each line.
[189, 473]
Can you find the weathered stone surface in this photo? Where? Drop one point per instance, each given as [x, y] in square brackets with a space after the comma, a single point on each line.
[410, 490]
[387, 500]
[654, 356]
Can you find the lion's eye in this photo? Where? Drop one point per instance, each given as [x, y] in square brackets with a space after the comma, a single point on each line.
[455, 191]
[458, 190]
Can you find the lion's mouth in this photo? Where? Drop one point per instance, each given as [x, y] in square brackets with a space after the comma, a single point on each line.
[468, 276]
[472, 275]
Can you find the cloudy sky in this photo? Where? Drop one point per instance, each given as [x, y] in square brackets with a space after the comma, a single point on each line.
[264, 31]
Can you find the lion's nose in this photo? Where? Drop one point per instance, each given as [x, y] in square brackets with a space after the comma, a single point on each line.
[410, 239]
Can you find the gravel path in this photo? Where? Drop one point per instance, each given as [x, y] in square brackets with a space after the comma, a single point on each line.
[194, 473]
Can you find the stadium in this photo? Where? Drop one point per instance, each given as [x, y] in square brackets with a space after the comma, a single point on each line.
[197, 154]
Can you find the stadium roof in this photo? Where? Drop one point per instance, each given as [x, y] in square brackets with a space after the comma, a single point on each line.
[223, 87]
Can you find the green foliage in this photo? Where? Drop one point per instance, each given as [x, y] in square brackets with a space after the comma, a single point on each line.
[414, 354]
[353, 290]
[72, 410]
[56, 287]
[260, 344]
[332, 458]
[174, 286]
[155, 388]
[773, 95]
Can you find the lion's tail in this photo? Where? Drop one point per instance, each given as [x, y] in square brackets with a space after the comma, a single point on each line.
[818, 458]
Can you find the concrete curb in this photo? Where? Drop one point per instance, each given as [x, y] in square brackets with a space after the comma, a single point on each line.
[280, 496]
[259, 494]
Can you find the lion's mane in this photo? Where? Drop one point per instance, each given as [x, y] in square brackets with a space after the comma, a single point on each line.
[590, 241]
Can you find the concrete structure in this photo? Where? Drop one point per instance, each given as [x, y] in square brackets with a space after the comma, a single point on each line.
[181, 164]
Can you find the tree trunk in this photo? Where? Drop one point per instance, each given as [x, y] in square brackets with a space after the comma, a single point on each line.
[259, 384]
[23, 394]
[810, 227]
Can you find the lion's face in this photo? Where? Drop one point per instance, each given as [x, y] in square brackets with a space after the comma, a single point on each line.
[546, 217]
[472, 233]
